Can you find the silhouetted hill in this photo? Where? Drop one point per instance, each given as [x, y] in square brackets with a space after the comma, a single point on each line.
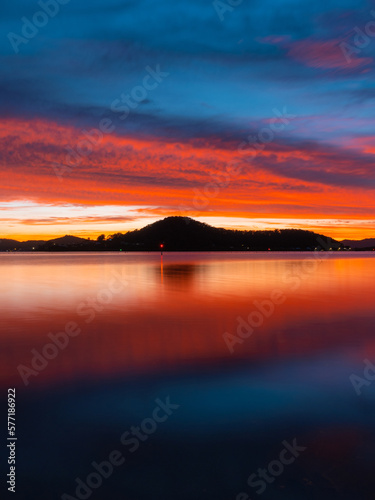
[176, 233]
[183, 234]
[40, 245]
[360, 244]
[67, 241]
[8, 244]
[11, 245]
[186, 234]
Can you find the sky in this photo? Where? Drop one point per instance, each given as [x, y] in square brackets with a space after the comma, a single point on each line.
[248, 114]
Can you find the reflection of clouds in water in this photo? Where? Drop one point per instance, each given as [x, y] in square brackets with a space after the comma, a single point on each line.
[180, 317]
[290, 379]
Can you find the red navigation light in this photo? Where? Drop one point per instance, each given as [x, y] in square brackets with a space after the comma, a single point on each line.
[161, 245]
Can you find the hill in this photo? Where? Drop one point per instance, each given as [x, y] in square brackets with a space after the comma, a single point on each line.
[6, 245]
[183, 234]
[68, 242]
[40, 245]
[367, 244]
[186, 234]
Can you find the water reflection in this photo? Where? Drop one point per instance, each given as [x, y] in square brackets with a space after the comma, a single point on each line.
[176, 310]
[157, 331]
[178, 275]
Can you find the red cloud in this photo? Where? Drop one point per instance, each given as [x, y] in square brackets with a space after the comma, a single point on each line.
[283, 180]
[325, 54]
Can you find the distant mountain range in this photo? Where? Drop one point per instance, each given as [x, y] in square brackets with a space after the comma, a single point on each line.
[30, 245]
[186, 234]
[368, 244]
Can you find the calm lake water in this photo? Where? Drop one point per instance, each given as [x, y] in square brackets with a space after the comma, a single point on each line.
[255, 351]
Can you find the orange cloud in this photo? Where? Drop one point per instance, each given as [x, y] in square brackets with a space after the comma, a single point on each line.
[174, 178]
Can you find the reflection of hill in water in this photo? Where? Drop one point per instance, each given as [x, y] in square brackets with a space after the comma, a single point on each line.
[181, 274]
